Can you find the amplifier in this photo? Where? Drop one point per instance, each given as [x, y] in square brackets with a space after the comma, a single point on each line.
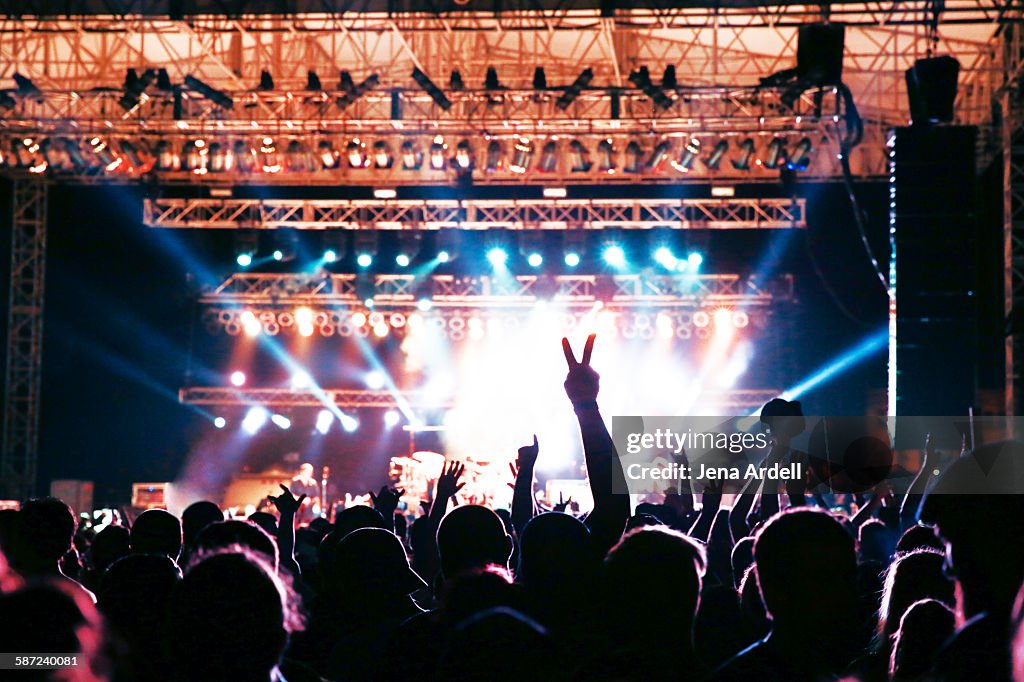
[150, 495]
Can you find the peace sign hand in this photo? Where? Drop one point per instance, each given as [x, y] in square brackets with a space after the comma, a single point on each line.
[582, 382]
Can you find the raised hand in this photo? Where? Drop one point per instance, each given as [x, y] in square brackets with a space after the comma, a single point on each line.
[448, 484]
[286, 502]
[386, 501]
[562, 504]
[528, 455]
[582, 382]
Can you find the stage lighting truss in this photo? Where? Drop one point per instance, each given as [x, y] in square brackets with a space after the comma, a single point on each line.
[510, 214]
[275, 140]
[631, 306]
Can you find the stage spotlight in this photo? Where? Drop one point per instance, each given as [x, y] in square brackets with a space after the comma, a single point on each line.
[455, 82]
[244, 156]
[715, 158]
[375, 380]
[447, 242]
[548, 157]
[330, 255]
[438, 150]
[572, 259]
[334, 246]
[282, 422]
[428, 87]
[354, 93]
[701, 319]
[723, 318]
[642, 79]
[221, 99]
[464, 155]
[238, 378]
[304, 321]
[364, 260]
[606, 156]
[740, 319]
[801, 155]
[365, 246]
[497, 257]
[579, 157]
[220, 422]
[349, 423]
[254, 419]
[668, 78]
[355, 153]
[665, 258]
[328, 154]
[742, 162]
[384, 192]
[694, 260]
[574, 90]
[278, 254]
[412, 157]
[522, 153]
[495, 155]
[382, 154]
[25, 86]
[776, 153]
[408, 248]
[380, 330]
[634, 157]
[250, 324]
[491, 81]
[244, 259]
[313, 81]
[402, 260]
[268, 157]
[555, 192]
[134, 86]
[535, 260]
[443, 256]
[614, 256]
[574, 245]
[323, 421]
[301, 379]
[358, 319]
[391, 418]
[424, 305]
[659, 155]
[245, 248]
[690, 153]
[266, 81]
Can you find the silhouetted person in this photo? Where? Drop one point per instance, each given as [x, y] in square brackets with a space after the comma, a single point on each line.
[228, 619]
[266, 521]
[807, 573]
[500, 644]
[649, 626]
[979, 511]
[919, 536]
[109, 545]
[46, 527]
[471, 536]
[923, 628]
[157, 531]
[196, 517]
[912, 577]
[132, 597]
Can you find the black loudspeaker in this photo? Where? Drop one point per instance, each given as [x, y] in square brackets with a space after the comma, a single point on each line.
[932, 215]
[931, 88]
[819, 54]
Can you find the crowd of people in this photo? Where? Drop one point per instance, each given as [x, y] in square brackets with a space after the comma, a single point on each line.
[772, 587]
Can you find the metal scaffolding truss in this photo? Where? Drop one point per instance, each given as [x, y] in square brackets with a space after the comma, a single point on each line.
[1012, 100]
[512, 214]
[253, 290]
[79, 63]
[23, 375]
[349, 399]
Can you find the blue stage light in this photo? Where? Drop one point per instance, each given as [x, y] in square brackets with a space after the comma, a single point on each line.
[498, 257]
[614, 256]
[535, 260]
[572, 259]
[364, 260]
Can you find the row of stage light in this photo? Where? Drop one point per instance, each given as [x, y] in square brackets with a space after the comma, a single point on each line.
[257, 417]
[532, 248]
[516, 155]
[684, 325]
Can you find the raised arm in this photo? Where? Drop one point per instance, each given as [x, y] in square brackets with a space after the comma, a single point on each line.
[287, 504]
[611, 510]
[910, 507]
[386, 502]
[523, 508]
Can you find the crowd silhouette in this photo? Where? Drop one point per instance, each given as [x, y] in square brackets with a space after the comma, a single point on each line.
[772, 587]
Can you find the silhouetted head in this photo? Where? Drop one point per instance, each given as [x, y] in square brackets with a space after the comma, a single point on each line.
[135, 589]
[266, 521]
[875, 542]
[354, 518]
[554, 549]
[478, 590]
[157, 531]
[228, 619]
[919, 536]
[53, 617]
[912, 577]
[225, 534]
[806, 569]
[499, 644]
[636, 572]
[923, 629]
[109, 545]
[742, 558]
[47, 526]
[979, 510]
[471, 536]
[371, 563]
[198, 516]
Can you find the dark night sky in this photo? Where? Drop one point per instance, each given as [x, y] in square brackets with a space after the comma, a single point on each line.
[119, 312]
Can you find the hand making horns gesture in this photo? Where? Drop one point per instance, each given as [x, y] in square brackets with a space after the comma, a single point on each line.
[581, 384]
